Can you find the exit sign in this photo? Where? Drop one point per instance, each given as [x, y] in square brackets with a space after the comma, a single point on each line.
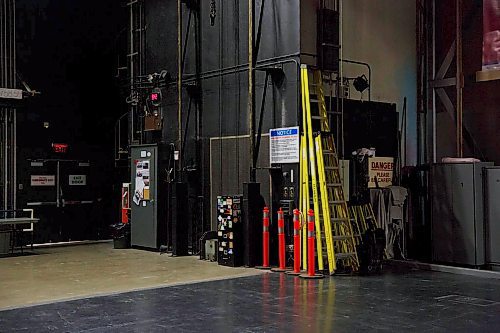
[60, 148]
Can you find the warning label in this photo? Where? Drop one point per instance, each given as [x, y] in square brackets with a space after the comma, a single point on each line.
[43, 180]
[381, 171]
[284, 145]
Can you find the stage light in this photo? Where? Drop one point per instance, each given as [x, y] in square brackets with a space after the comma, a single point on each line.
[361, 83]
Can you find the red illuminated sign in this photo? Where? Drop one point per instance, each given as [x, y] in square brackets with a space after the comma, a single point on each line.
[60, 148]
[155, 97]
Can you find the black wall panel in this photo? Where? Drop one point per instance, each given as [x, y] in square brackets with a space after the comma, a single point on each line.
[224, 79]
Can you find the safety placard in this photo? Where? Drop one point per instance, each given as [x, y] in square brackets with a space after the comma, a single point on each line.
[11, 93]
[284, 145]
[77, 180]
[43, 180]
[380, 170]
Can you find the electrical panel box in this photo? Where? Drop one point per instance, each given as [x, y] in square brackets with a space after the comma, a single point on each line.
[229, 230]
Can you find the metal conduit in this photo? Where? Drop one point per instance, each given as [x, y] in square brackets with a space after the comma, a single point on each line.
[8, 117]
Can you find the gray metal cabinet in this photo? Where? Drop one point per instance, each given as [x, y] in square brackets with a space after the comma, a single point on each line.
[458, 234]
[492, 213]
[148, 201]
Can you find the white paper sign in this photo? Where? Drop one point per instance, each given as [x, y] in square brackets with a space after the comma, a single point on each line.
[43, 180]
[284, 145]
[77, 180]
[142, 182]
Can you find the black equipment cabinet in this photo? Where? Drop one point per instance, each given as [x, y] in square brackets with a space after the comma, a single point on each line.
[229, 230]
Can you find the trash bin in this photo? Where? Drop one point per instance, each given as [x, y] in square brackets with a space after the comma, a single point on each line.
[4, 242]
[121, 235]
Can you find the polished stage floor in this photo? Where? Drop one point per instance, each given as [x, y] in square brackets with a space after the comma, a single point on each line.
[400, 300]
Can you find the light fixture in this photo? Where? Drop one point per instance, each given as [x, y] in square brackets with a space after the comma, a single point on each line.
[361, 83]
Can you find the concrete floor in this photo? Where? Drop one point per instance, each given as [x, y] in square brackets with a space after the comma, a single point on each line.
[398, 301]
[88, 270]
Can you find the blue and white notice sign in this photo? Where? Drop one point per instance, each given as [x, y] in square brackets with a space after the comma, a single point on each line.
[284, 145]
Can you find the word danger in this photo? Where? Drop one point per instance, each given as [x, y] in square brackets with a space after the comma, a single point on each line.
[381, 166]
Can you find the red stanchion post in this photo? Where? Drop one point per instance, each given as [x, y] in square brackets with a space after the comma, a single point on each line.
[281, 242]
[296, 243]
[265, 240]
[311, 242]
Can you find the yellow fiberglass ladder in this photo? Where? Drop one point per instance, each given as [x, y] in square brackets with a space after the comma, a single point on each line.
[330, 204]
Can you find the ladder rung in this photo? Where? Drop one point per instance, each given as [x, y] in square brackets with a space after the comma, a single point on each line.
[318, 118]
[345, 237]
[334, 184]
[344, 255]
[331, 168]
[313, 100]
[331, 202]
[328, 152]
[342, 238]
[339, 219]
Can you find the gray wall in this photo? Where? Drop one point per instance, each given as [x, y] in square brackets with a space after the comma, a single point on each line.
[382, 33]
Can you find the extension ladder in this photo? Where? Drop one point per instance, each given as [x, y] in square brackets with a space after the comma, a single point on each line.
[333, 224]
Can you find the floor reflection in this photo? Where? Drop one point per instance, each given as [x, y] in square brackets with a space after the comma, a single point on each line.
[400, 301]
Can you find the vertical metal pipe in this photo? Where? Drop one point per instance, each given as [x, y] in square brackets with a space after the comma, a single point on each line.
[251, 87]
[14, 79]
[420, 95]
[434, 125]
[199, 123]
[132, 72]
[179, 83]
[6, 158]
[3, 34]
[58, 183]
[459, 81]
[341, 71]
[14, 161]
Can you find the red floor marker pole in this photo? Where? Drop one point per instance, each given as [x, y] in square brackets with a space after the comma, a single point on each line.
[296, 243]
[311, 241]
[281, 242]
[265, 240]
